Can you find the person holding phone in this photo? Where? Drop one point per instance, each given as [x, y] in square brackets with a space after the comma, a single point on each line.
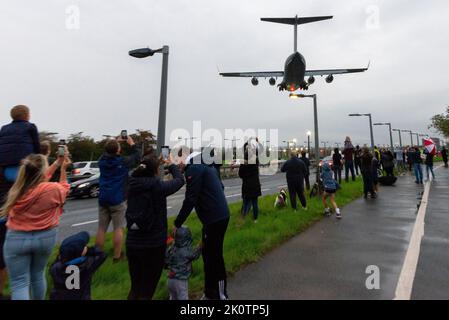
[114, 172]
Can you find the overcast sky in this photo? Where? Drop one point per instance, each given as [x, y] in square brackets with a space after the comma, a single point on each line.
[82, 79]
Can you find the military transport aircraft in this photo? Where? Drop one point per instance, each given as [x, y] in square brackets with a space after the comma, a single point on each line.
[295, 65]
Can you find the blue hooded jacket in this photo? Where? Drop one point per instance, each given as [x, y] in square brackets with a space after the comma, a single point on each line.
[114, 176]
[328, 177]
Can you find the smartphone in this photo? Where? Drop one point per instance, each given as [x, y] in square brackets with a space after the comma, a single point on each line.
[61, 151]
[165, 150]
[124, 135]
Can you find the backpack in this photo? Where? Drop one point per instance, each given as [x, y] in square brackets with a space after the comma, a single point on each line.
[140, 211]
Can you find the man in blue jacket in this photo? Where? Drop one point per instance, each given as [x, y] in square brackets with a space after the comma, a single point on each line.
[114, 172]
[205, 193]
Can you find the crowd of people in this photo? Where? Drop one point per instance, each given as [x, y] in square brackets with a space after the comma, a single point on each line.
[133, 196]
[32, 205]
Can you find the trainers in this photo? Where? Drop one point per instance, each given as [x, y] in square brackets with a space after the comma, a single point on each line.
[121, 258]
[305, 208]
[255, 221]
[327, 212]
[338, 213]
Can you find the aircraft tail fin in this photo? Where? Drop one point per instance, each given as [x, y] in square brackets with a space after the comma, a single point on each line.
[296, 20]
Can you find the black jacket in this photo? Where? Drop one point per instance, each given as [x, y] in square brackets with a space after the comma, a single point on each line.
[204, 192]
[94, 259]
[295, 168]
[150, 194]
[429, 159]
[17, 140]
[336, 160]
[249, 173]
[307, 163]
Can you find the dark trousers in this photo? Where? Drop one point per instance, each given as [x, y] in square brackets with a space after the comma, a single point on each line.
[247, 203]
[214, 265]
[367, 182]
[307, 180]
[349, 166]
[296, 188]
[145, 269]
[357, 166]
[389, 171]
[337, 174]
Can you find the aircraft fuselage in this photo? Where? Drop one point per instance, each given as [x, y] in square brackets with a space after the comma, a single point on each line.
[294, 70]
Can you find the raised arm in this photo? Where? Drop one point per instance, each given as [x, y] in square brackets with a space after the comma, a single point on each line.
[193, 188]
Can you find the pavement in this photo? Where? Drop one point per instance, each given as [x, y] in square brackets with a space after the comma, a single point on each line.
[82, 214]
[336, 259]
[432, 272]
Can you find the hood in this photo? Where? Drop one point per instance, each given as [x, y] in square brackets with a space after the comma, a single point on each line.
[326, 167]
[183, 237]
[140, 183]
[110, 161]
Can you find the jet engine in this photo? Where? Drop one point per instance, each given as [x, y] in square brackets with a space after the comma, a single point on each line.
[311, 80]
[329, 78]
[254, 81]
[272, 81]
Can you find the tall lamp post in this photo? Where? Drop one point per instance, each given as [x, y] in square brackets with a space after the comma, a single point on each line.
[309, 133]
[400, 138]
[389, 128]
[417, 137]
[411, 136]
[147, 52]
[370, 124]
[315, 117]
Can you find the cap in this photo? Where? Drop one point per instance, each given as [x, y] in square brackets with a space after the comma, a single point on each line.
[73, 246]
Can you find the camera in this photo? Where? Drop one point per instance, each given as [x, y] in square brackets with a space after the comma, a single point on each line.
[165, 150]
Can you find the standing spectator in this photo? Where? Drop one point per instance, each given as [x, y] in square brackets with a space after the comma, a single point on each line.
[34, 207]
[112, 199]
[375, 176]
[415, 159]
[4, 188]
[398, 156]
[337, 164]
[410, 157]
[296, 170]
[178, 261]
[251, 190]
[388, 162]
[74, 252]
[367, 173]
[146, 218]
[444, 155]
[205, 193]
[348, 153]
[358, 160]
[429, 164]
[404, 159]
[17, 140]
[307, 163]
[330, 188]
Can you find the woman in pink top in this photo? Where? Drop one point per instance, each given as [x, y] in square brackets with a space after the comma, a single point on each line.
[33, 208]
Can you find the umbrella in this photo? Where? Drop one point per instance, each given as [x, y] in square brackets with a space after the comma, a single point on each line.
[429, 145]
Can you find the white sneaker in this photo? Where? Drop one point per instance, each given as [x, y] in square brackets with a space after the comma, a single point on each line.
[327, 212]
[338, 213]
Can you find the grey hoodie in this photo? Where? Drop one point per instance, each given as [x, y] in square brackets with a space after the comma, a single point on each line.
[179, 256]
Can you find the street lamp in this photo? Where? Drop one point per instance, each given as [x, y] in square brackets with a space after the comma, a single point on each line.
[417, 138]
[389, 128]
[309, 133]
[370, 124]
[147, 52]
[315, 116]
[400, 138]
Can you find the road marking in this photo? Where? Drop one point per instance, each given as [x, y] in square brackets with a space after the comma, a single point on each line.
[407, 276]
[84, 223]
[263, 190]
[233, 195]
[169, 208]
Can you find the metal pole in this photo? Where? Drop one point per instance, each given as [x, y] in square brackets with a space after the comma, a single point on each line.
[308, 145]
[391, 138]
[317, 145]
[371, 131]
[163, 100]
[411, 139]
[400, 138]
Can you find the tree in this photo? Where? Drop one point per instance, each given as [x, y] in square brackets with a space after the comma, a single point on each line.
[440, 122]
[83, 148]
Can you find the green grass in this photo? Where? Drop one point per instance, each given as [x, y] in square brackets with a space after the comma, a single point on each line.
[245, 242]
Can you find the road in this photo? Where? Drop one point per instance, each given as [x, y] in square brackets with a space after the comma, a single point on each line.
[82, 214]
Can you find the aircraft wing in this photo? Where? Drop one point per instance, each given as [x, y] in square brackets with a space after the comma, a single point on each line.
[263, 74]
[333, 71]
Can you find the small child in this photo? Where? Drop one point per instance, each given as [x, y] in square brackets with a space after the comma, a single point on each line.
[330, 188]
[74, 252]
[178, 261]
[17, 140]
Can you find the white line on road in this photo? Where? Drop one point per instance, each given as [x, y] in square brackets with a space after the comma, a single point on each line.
[406, 278]
[84, 223]
[233, 195]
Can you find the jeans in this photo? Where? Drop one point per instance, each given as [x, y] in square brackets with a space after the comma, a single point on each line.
[430, 168]
[349, 165]
[145, 269]
[367, 183]
[418, 172]
[26, 256]
[247, 203]
[178, 289]
[337, 174]
[357, 167]
[214, 265]
[296, 188]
